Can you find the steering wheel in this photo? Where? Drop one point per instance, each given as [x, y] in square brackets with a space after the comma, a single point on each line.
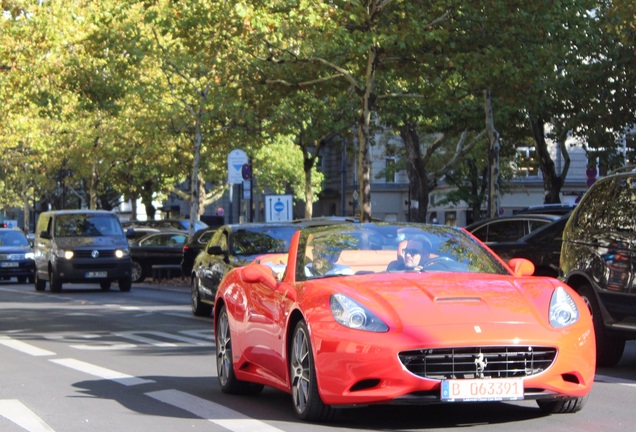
[443, 261]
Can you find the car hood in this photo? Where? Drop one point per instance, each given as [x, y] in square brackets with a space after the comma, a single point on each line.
[449, 299]
[15, 249]
[82, 242]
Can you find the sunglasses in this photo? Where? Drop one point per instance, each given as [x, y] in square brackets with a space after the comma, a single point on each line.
[412, 252]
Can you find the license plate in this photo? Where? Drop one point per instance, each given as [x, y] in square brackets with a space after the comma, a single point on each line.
[482, 390]
[9, 264]
[101, 274]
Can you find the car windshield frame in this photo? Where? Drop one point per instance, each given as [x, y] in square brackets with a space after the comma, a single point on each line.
[87, 225]
[451, 249]
[252, 241]
[13, 238]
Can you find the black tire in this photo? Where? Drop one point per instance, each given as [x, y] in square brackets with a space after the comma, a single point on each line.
[198, 307]
[224, 361]
[40, 285]
[562, 406]
[31, 279]
[305, 396]
[609, 347]
[138, 274]
[105, 285]
[125, 284]
[22, 279]
[55, 282]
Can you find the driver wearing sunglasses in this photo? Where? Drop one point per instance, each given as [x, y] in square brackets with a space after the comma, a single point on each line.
[413, 253]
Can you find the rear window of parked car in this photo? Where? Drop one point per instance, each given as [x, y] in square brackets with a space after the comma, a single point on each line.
[610, 208]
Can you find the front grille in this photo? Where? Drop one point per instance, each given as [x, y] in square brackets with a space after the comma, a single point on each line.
[478, 362]
[103, 253]
[95, 266]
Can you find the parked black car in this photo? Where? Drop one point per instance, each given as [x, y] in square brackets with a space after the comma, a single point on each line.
[598, 260]
[164, 224]
[508, 228]
[555, 209]
[542, 246]
[16, 256]
[157, 248]
[193, 246]
[233, 246]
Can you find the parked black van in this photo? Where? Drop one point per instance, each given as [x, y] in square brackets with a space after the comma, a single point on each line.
[81, 246]
[598, 260]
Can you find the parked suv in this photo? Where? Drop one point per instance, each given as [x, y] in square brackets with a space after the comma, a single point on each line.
[81, 246]
[598, 260]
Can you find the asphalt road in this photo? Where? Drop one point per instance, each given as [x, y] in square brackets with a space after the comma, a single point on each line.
[87, 360]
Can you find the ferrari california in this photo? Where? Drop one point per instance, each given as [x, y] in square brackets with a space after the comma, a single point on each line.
[379, 313]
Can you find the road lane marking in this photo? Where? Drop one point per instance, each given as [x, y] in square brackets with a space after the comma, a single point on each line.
[137, 336]
[19, 414]
[108, 347]
[24, 347]
[213, 412]
[207, 335]
[121, 378]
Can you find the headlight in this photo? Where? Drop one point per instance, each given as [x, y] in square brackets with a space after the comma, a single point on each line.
[68, 254]
[29, 255]
[120, 253]
[563, 310]
[351, 314]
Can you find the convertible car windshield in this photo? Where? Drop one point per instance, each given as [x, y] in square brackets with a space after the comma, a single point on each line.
[384, 248]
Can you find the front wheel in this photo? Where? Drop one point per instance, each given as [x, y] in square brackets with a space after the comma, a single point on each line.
[40, 285]
[138, 275]
[105, 285]
[564, 406]
[55, 282]
[609, 347]
[125, 284]
[198, 307]
[224, 361]
[307, 402]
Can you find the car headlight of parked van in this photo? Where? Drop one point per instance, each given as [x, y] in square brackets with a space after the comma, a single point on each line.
[120, 253]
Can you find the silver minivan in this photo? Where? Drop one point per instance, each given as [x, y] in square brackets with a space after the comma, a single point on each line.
[81, 246]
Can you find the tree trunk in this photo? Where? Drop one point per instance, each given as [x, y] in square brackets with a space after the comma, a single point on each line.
[146, 199]
[416, 171]
[552, 182]
[309, 193]
[493, 157]
[194, 186]
[364, 128]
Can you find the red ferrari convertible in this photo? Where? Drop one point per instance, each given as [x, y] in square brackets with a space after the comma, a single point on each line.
[400, 313]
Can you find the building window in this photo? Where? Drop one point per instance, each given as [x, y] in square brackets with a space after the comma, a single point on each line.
[525, 163]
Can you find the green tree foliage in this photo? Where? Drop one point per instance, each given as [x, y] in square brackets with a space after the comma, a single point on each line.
[133, 97]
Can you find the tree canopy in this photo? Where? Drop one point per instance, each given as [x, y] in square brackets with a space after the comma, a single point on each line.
[127, 98]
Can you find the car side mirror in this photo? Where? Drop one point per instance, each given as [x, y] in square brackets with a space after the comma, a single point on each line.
[259, 273]
[521, 267]
[45, 235]
[130, 233]
[215, 250]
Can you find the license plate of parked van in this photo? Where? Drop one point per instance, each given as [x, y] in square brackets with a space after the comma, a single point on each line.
[98, 274]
